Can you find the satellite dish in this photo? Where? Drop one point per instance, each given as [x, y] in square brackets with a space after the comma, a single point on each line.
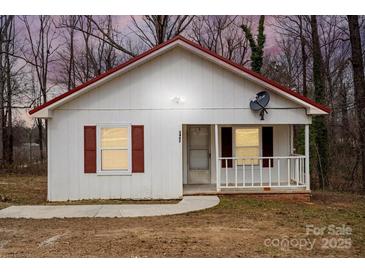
[260, 102]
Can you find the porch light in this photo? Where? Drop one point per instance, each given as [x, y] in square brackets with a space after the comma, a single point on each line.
[177, 100]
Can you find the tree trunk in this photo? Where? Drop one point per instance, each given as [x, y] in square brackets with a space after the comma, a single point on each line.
[359, 86]
[319, 124]
[344, 113]
[304, 56]
[9, 98]
[9, 133]
[257, 46]
[2, 115]
[40, 136]
[2, 124]
[70, 83]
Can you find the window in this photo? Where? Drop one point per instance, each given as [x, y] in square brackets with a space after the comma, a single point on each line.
[114, 148]
[247, 145]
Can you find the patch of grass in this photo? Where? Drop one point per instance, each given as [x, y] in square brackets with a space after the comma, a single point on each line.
[18, 189]
[237, 227]
[291, 218]
[22, 189]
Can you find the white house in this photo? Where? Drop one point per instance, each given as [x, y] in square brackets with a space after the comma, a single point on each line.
[173, 120]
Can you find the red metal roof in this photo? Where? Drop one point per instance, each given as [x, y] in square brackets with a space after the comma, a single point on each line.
[195, 45]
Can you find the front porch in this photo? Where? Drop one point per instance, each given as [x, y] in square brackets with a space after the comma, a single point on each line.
[281, 172]
[286, 175]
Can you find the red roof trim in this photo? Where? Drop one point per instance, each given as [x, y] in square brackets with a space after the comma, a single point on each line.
[148, 52]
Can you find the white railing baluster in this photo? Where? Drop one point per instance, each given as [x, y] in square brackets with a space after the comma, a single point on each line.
[300, 170]
[260, 172]
[289, 171]
[243, 174]
[226, 172]
[270, 172]
[296, 171]
[278, 172]
[303, 165]
[252, 172]
[218, 174]
[235, 172]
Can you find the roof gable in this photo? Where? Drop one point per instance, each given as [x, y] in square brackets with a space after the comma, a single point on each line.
[311, 106]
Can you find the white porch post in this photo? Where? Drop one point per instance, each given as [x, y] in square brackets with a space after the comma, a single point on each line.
[307, 174]
[291, 139]
[217, 169]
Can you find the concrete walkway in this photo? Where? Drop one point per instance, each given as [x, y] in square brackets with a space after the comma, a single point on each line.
[187, 204]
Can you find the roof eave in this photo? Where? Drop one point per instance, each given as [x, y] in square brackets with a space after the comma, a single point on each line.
[45, 113]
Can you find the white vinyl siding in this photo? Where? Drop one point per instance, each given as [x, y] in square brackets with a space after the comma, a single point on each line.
[142, 96]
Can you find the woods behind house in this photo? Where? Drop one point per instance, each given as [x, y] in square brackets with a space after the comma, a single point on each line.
[321, 57]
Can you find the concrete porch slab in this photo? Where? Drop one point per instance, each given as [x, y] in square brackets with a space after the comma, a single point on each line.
[210, 189]
[187, 204]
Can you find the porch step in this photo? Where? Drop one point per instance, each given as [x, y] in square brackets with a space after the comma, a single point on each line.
[300, 194]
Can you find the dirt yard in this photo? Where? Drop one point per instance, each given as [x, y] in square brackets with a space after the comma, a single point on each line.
[237, 227]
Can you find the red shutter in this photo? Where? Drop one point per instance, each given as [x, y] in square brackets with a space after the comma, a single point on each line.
[138, 149]
[90, 149]
[226, 145]
[267, 146]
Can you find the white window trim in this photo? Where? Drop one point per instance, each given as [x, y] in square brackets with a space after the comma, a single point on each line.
[234, 141]
[99, 171]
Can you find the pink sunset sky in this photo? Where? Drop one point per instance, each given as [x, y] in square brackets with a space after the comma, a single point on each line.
[123, 24]
[124, 21]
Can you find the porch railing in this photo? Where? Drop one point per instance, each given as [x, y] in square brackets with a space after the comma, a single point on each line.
[258, 172]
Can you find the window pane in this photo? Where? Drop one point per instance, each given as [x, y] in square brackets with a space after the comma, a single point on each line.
[114, 137]
[199, 159]
[247, 152]
[114, 159]
[199, 136]
[247, 136]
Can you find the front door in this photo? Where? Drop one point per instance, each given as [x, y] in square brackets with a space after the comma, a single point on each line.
[199, 155]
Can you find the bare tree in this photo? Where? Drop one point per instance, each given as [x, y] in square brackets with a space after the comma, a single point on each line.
[11, 74]
[297, 29]
[67, 58]
[285, 67]
[42, 48]
[222, 35]
[303, 53]
[4, 25]
[7, 36]
[93, 53]
[156, 29]
[359, 85]
[337, 82]
[91, 27]
[319, 126]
